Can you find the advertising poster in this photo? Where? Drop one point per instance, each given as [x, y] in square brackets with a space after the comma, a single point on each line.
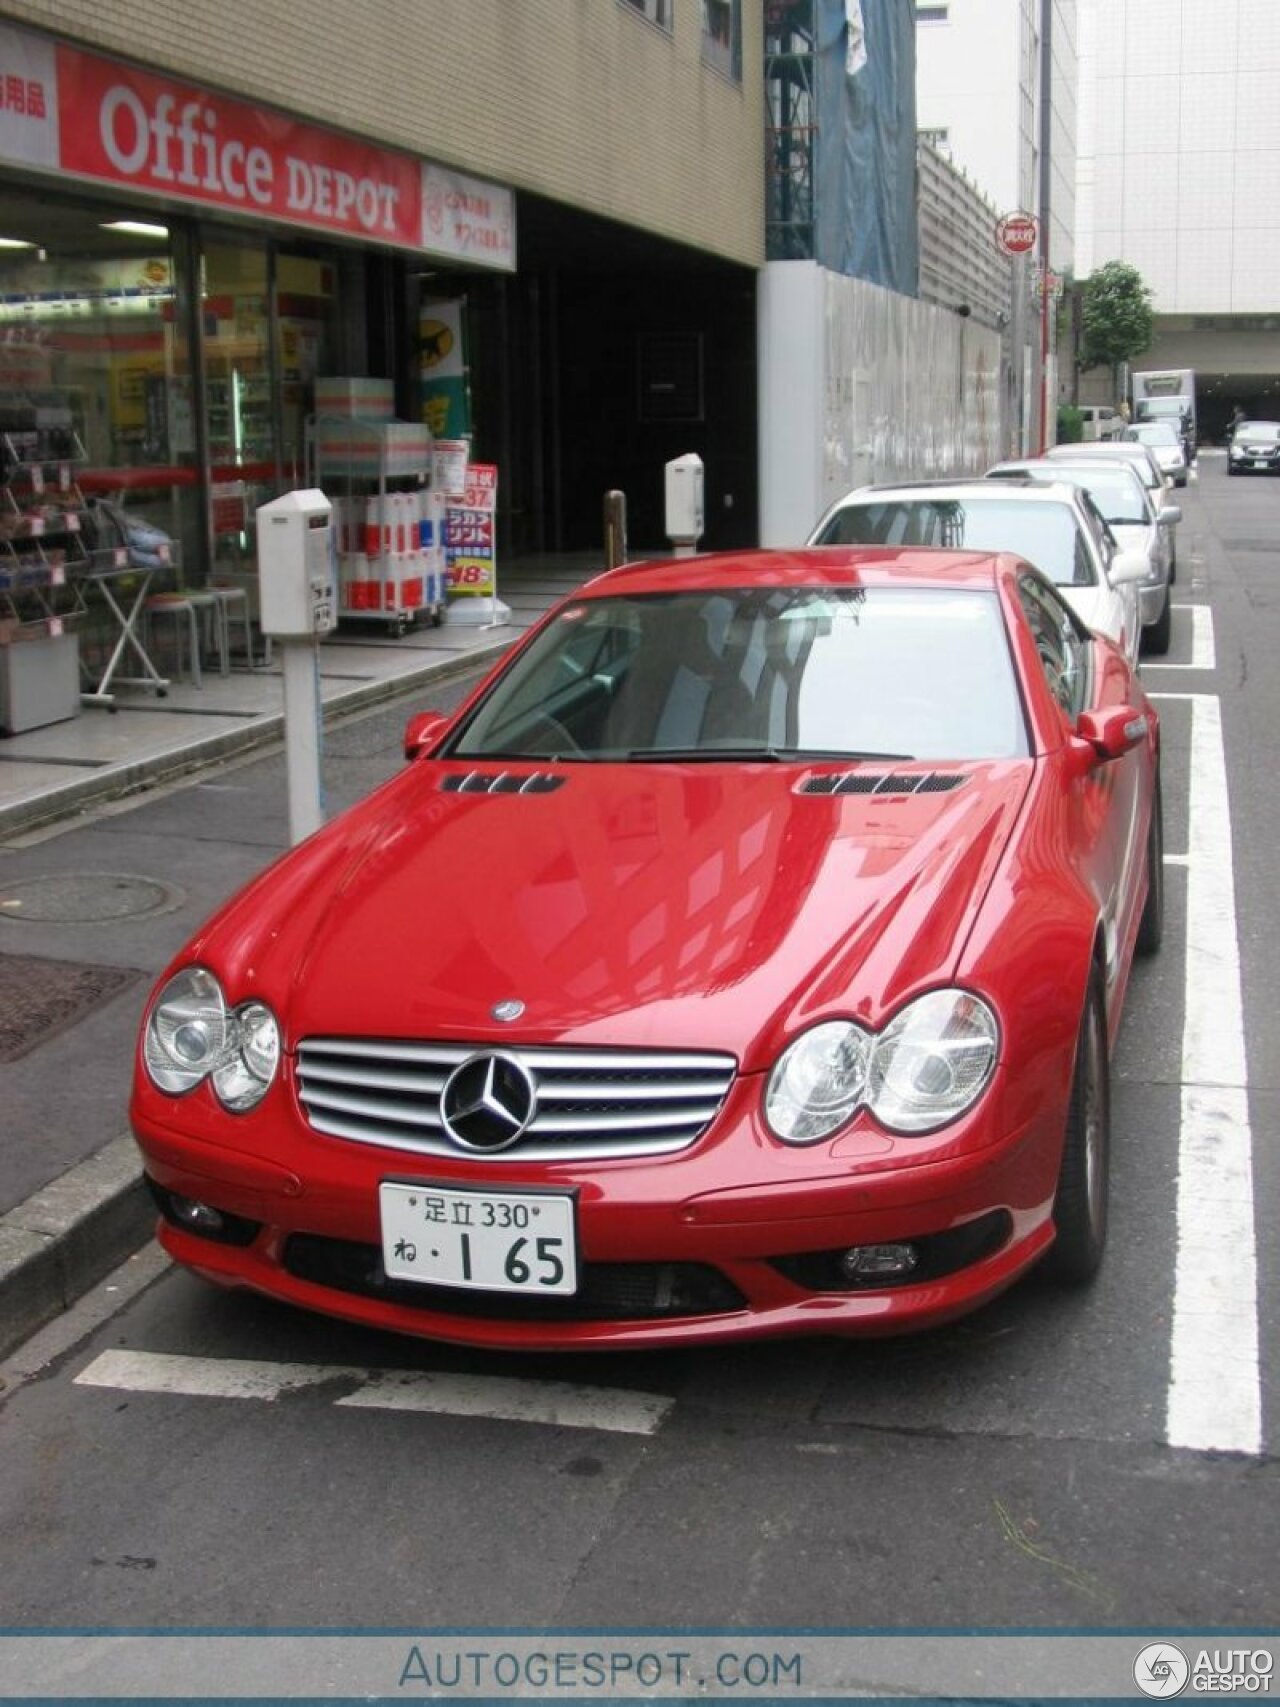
[469, 542]
[442, 368]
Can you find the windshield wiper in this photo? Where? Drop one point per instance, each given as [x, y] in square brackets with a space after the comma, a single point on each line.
[763, 755]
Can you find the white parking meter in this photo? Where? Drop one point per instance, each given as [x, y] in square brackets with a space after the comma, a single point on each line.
[684, 506]
[297, 604]
[297, 594]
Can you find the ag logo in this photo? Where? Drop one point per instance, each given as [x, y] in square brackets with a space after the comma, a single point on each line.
[1161, 1670]
[435, 340]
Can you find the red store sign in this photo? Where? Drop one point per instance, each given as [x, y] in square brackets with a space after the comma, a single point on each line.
[97, 119]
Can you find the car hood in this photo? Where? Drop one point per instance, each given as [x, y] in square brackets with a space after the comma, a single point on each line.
[701, 905]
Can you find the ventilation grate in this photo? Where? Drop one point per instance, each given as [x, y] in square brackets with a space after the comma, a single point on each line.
[864, 782]
[502, 782]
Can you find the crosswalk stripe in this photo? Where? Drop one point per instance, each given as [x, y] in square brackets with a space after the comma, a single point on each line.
[560, 1404]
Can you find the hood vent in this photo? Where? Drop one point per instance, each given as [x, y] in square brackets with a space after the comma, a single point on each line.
[502, 782]
[864, 782]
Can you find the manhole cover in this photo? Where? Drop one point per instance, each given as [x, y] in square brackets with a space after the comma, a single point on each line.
[86, 898]
[39, 998]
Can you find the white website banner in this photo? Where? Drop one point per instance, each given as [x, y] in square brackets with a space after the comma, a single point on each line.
[772, 1665]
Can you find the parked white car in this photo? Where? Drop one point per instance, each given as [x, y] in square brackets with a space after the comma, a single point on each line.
[1055, 527]
[1164, 442]
[1135, 521]
[1156, 482]
[1100, 422]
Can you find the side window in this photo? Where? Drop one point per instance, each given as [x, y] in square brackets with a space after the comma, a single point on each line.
[1063, 649]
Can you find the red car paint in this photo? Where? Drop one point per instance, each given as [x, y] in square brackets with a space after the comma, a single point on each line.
[698, 906]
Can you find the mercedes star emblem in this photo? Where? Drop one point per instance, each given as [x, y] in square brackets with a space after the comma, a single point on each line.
[488, 1102]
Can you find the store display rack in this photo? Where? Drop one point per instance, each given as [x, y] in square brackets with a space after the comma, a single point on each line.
[387, 523]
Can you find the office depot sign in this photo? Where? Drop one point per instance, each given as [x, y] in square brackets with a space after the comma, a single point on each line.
[99, 119]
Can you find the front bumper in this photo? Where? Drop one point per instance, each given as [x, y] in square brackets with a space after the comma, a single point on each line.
[738, 1237]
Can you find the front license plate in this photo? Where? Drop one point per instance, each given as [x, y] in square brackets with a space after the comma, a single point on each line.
[1261, 463]
[490, 1241]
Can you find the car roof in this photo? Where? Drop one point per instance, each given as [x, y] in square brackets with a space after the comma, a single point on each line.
[1035, 491]
[810, 566]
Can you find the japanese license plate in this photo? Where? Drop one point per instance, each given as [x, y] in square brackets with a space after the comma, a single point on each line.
[490, 1241]
[1260, 462]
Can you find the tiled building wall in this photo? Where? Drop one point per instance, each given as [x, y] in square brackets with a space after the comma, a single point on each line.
[583, 101]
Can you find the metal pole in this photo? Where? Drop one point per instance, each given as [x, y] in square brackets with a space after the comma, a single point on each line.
[615, 529]
[1046, 196]
[300, 666]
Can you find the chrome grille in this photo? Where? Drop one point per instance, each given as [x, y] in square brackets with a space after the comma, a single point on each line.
[591, 1103]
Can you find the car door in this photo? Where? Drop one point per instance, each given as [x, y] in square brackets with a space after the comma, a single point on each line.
[1126, 621]
[1084, 674]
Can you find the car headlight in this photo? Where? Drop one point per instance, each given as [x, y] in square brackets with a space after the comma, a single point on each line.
[933, 1061]
[930, 1063]
[818, 1082]
[191, 1035]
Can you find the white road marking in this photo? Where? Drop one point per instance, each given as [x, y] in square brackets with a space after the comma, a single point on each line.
[552, 1402]
[1203, 653]
[1215, 1401]
[206, 1377]
[562, 1404]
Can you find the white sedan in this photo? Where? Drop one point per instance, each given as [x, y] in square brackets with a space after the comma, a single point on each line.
[1136, 523]
[1055, 527]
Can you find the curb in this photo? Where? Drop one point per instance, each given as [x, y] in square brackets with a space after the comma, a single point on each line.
[133, 778]
[68, 1235]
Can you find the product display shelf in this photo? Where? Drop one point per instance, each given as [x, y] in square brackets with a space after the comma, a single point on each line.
[387, 523]
[43, 549]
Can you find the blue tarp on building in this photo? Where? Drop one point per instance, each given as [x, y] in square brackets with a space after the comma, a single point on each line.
[865, 170]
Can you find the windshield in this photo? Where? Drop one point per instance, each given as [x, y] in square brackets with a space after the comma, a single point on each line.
[1151, 407]
[1045, 534]
[1118, 492]
[1154, 433]
[760, 673]
[1260, 429]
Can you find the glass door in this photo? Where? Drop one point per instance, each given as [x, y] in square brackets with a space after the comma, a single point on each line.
[239, 374]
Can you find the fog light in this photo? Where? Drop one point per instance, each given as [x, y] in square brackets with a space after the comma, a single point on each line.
[200, 1217]
[879, 1262]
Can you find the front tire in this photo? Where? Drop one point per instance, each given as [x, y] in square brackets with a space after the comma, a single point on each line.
[1157, 637]
[1080, 1205]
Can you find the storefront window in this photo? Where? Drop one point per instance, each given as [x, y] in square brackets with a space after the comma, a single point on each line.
[94, 355]
[235, 308]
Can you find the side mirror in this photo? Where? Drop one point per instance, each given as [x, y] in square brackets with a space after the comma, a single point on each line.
[1128, 568]
[422, 732]
[1101, 736]
[1167, 514]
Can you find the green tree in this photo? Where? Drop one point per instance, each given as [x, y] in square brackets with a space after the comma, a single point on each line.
[1116, 318]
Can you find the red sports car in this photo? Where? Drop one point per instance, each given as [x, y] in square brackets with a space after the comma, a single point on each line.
[743, 958]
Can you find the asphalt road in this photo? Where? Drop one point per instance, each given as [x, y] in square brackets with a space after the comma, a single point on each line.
[1057, 1461]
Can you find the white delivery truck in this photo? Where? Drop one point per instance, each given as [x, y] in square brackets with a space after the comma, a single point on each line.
[1168, 394]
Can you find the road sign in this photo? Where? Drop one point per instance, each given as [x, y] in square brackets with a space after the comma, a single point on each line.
[1016, 233]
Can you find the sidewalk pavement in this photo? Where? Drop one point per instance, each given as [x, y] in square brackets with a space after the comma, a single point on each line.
[119, 833]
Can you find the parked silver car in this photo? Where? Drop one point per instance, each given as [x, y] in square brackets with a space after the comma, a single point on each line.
[1164, 441]
[1156, 482]
[1135, 522]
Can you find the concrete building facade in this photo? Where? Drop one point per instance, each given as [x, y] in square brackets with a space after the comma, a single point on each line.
[1177, 172]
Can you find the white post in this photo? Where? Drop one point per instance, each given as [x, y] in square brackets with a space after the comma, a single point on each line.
[300, 663]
